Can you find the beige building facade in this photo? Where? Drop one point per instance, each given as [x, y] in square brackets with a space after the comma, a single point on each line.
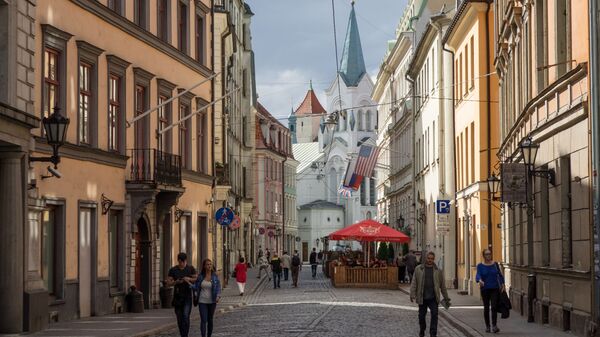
[131, 194]
[542, 54]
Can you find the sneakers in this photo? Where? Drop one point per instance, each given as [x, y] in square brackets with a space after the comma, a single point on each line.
[495, 329]
[241, 294]
[487, 329]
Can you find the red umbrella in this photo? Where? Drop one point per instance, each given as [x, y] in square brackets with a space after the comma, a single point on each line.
[369, 230]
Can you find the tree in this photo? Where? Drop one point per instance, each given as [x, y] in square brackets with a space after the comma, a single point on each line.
[382, 253]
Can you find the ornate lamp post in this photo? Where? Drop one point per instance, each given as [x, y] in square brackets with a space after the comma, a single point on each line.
[55, 130]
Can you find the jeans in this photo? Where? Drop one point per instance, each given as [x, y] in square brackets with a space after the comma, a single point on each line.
[401, 273]
[313, 267]
[490, 295]
[433, 308]
[183, 317]
[295, 272]
[207, 312]
[276, 279]
[285, 273]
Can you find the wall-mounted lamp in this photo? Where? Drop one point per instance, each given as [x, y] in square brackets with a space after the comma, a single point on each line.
[106, 204]
[529, 150]
[55, 130]
[178, 214]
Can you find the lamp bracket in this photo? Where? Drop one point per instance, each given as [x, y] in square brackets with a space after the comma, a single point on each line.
[106, 204]
[549, 174]
[178, 214]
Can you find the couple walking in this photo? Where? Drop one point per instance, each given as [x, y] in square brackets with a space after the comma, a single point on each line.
[428, 285]
[278, 266]
[202, 290]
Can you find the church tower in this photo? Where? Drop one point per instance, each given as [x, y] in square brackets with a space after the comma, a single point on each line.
[307, 118]
[292, 126]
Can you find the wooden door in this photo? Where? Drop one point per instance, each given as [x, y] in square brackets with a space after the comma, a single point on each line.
[138, 260]
[85, 262]
[304, 251]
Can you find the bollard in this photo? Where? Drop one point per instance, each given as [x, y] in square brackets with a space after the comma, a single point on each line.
[166, 295]
[135, 300]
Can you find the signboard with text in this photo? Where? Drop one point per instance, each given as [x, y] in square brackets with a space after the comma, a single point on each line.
[514, 182]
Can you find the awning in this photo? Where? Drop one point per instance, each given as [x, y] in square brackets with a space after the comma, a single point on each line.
[369, 230]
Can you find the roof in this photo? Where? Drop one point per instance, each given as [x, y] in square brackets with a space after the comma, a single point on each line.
[247, 9]
[306, 154]
[310, 105]
[458, 16]
[352, 67]
[321, 204]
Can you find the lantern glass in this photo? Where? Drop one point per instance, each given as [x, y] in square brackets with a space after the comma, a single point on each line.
[493, 184]
[331, 123]
[56, 128]
[529, 151]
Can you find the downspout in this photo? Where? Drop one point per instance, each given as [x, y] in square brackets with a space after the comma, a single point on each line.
[456, 238]
[595, 121]
[414, 167]
[212, 127]
[491, 227]
[283, 241]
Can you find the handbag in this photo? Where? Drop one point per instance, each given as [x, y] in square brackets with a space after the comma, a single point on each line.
[195, 297]
[234, 274]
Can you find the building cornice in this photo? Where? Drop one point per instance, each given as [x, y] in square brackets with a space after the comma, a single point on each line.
[104, 13]
[197, 177]
[84, 153]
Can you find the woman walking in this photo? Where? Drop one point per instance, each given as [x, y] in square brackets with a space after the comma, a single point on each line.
[209, 286]
[491, 282]
[241, 270]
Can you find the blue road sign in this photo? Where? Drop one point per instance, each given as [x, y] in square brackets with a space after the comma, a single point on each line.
[224, 216]
[442, 207]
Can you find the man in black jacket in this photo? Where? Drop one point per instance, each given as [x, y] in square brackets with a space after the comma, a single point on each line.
[276, 268]
[313, 262]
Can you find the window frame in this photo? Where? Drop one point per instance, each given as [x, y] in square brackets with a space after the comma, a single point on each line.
[142, 79]
[163, 22]
[140, 15]
[88, 57]
[202, 138]
[117, 6]
[59, 205]
[183, 28]
[165, 91]
[120, 248]
[200, 35]
[185, 101]
[117, 67]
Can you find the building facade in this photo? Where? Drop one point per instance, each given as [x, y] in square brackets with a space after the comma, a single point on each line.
[135, 185]
[475, 93]
[542, 55]
[430, 71]
[273, 149]
[395, 172]
[234, 128]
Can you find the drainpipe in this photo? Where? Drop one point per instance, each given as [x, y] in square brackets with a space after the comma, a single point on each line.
[414, 167]
[595, 121]
[212, 128]
[489, 127]
[283, 203]
[456, 239]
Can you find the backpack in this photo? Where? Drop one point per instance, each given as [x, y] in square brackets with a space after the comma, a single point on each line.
[295, 261]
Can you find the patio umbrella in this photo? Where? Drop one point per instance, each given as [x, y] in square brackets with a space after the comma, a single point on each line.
[369, 231]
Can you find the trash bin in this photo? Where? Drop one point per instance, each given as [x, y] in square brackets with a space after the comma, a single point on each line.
[135, 300]
[166, 295]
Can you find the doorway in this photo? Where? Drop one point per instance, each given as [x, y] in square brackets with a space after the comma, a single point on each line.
[305, 251]
[143, 260]
[86, 263]
[202, 240]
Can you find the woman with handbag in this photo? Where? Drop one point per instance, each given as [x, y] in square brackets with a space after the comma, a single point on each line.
[491, 282]
[209, 290]
[240, 272]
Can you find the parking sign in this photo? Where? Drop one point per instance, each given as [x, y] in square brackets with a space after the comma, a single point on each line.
[442, 207]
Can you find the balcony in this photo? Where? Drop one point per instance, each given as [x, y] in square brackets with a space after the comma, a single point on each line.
[221, 6]
[151, 166]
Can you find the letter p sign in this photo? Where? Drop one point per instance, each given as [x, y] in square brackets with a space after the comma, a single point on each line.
[443, 207]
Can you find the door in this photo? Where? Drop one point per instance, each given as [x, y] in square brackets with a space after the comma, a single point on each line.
[304, 251]
[202, 240]
[142, 261]
[85, 262]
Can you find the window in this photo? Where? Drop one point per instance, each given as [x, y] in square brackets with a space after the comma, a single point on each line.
[164, 120]
[368, 120]
[85, 102]
[360, 120]
[467, 66]
[185, 235]
[116, 250]
[140, 17]
[566, 216]
[200, 31]
[184, 136]
[541, 44]
[114, 112]
[51, 81]
[563, 22]
[473, 179]
[201, 142]
[141, 103]
[116, 6]
[163, 22]
[49, 246]
[472, 42]
[545, 210]
[183, 26]
[116, 103]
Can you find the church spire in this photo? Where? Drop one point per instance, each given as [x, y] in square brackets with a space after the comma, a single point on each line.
[352, 66]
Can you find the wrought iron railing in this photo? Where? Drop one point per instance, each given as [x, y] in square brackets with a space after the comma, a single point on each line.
[153, 166]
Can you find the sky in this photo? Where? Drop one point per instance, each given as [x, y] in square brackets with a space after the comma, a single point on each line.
[293, 42]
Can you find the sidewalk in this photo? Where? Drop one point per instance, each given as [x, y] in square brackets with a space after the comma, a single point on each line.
[150, 322]
[466, 314]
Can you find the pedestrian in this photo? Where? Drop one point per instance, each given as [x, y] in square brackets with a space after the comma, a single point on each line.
[276, 269]
[268, 254]
[491, 282]
[401, 264]
[296, 265]
[260, 253]
[286, 260]
[320, 257]
[241, 270]
[313, 262]
[427, 283]
[181, 277]
[209, 288]
[410, 261]
[263, 264]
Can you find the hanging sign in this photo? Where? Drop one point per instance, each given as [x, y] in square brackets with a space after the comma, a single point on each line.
[261, 231]
[224, 216]
[235, 223]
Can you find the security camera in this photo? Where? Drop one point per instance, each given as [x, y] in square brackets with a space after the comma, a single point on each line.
[54, 172]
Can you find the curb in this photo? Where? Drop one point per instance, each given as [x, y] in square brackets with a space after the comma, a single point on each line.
[453, 321]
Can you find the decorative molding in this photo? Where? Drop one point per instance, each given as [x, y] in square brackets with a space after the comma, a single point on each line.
[117, 64]
[197, 177]
[55, 36]
[142, 75]
[84, 153]
[187, 97]
[106, 14]
[164, 85]
[88, 50]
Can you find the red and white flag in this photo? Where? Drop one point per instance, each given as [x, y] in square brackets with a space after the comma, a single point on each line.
[367, 158]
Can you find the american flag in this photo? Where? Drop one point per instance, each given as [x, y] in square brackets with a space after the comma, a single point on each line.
[367, 158]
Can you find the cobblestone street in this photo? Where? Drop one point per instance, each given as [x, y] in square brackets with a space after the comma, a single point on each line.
[316, 309]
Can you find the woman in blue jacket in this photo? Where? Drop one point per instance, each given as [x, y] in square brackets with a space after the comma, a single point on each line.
[491, 282]
[209, 288]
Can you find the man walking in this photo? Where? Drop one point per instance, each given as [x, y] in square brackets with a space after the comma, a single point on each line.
[263, 264]
[285, 263]
[182, 276]
[411, 263]
[313, 262]
[276, 269]
[296, 265]
[427, 283]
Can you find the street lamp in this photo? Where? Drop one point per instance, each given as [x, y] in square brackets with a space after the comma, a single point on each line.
[55, 130]
[331, 121]
[529, 149]
[493, 185]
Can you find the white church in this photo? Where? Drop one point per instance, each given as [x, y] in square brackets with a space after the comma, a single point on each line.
[324, 155]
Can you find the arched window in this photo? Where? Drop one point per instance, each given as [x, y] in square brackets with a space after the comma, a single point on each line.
[368, 120]
[361, 124]
[332, 185]
[369, 215]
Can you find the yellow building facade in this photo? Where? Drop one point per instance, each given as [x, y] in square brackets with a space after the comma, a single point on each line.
[132, 194]
[476, 118]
